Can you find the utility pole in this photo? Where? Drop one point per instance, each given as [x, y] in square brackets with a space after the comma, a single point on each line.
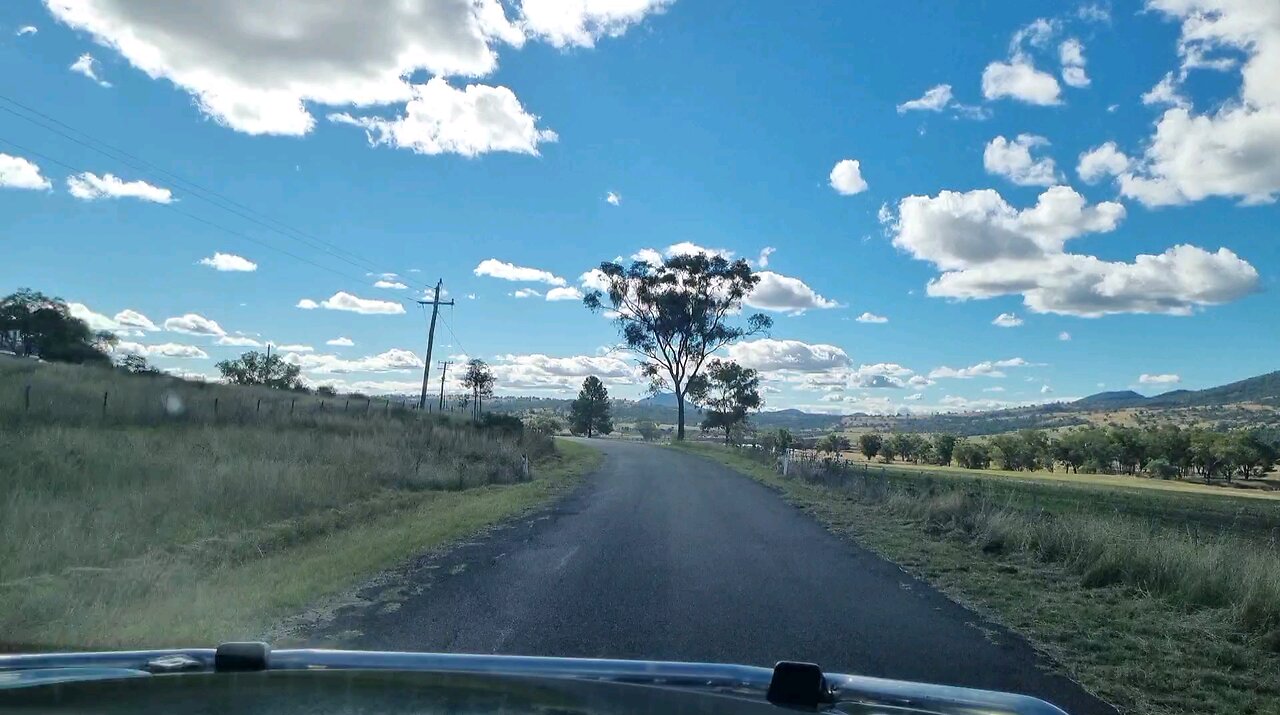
[431, 339]
[444, 367]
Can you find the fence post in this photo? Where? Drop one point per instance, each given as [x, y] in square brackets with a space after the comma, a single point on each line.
[346, 404]
[786, 461]
[259, 407]
[291, 404]
[26, 398]
[368, 405]
[524, 465]
[215, 408]
[322, 405]
[104, 404]
[387, 411]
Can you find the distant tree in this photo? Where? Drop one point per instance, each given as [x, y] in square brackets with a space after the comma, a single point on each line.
[901, 445]
[729, 392]
[833, 444]
[888, 449]
[480, 380]
[32, 323]
[783, 439]
[944, 446]
[674, 315]
[589, 414]
[649, 431]
[543, 423]
[255, 368]
[971, 455]
[137, 365]
[326, 391]
[1161, 468]
[869, 444]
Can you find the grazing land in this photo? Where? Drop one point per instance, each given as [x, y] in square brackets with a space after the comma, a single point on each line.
[1161, 602]
[182, 513]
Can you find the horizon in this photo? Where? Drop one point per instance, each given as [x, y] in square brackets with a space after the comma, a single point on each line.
[952, 209]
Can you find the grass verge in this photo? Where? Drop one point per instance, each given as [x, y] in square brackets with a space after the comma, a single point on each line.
[1152, 619]
[176, 601]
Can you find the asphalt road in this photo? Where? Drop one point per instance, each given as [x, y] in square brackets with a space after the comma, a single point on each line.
[663, 555]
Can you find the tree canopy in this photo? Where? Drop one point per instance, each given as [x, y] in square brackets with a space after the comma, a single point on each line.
[480, 380]
[34, 324]
[729, 392]
[255, 368]
[589, 414]
[675, 315]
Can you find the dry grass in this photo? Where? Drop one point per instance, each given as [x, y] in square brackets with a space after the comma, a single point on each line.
[1156, 618]
[103, 514]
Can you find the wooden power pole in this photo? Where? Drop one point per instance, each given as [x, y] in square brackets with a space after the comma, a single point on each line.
[431, 339]
[444, 367]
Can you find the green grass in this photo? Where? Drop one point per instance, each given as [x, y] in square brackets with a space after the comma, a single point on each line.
[155, 527]
[1154, 618]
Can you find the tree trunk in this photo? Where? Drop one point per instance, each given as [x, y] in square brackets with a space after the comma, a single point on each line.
[679, 416]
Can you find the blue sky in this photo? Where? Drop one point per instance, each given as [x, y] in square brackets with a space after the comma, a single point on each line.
[466, 141]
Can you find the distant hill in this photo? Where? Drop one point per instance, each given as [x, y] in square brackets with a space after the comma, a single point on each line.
[1263, 389]
[793, 419]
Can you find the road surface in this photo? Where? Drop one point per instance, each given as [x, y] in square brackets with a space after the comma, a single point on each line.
[664, 555]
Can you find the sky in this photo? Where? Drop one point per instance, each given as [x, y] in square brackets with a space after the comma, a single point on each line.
[951, 206]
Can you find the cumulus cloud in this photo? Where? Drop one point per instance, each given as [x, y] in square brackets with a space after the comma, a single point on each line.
[295, 348]
[171, 350]
[1071, 55]
[194, 324]
[1159, 379]
[1064, 336]
[132, 319]
[1045, 389]
[256, 67]
[228, 262]
[340, 342]
[545, 372]
[389, 283]
[870, 317]
[934, 99]
[846, 177]
[985, 248]
[769, 354]
[19, 173]
[564, 293]
[27, 30]
[347, 302]
[987, 368]
[1102, 161]
[1013, 160]
[87, 66]
[526, 293]
[393, 360]
[1018, 79]
[763, 260]
[494, 268]
[1007, 320]
[95, 321]
[785, 294]
[613, 199]
[442, 119]
[238, 341]
[88, 186]
[1232, 151]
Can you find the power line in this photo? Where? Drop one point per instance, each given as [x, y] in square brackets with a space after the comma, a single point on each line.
[198, 191]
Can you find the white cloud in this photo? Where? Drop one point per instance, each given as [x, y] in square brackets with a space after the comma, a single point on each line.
[340, 342]
[647, 255]
[763, 260]
[27, 30]
[1094, 13]
[1013, 160]
[526, 293]
[769, 354]
[846, 177]
[1045, 389]
[393, 360]
[441, 119]
[228, 262]
[564, 293]
[95, 321]
[785, 294]
[1101, 161]
[194, 324]
[392, 284]
[580, 23]
[345, 301]
[1019, 79]
[1165, 92]
[987, 368]
[295, 348]
[935, 99]
[18, 173]
[91, 187]
[171, 350]
[307, 304]
[985, 248]
[688, 248]
[870, 317]
[542, 372]
[1064, 336]
[916, 396]
[1234, 150]
[612, 198]
[494, 268]
[1007, 320]
[1161, 379]
[237, 341]
[1071, 55]
[87, 66]
[134, 320]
